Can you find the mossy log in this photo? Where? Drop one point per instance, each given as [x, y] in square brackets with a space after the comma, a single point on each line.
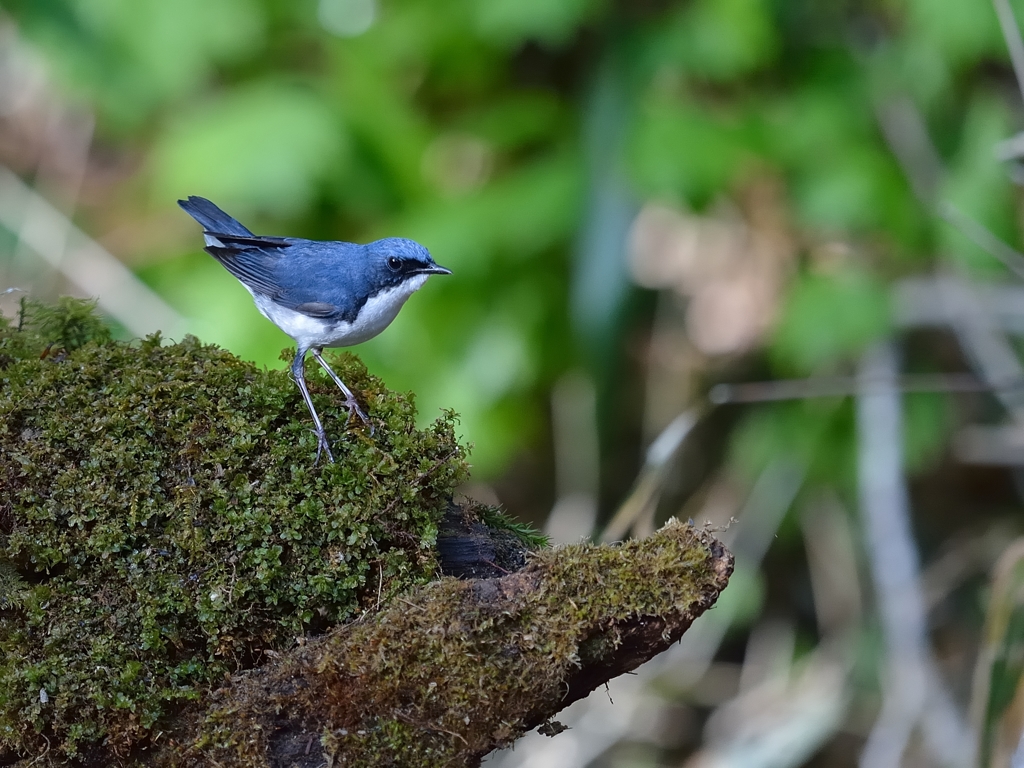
[181, 585]
[456, 668]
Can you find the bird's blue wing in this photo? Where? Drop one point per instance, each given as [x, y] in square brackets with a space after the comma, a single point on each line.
[321, 279]
[252, 265]
[304, 275]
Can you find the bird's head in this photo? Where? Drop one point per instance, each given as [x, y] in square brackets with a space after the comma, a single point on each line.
[396, 260]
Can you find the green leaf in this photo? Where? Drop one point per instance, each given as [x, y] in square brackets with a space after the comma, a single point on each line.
[828, 318]
[979, 186]
[263, 146]
[684, 150]
[133, 56]
[722, 39]
[510, 22]
[927, 425]
[961, 30]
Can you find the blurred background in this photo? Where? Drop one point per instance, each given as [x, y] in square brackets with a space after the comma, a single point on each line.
[750, 262]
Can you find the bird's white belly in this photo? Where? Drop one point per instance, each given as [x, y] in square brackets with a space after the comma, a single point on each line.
[374, 316]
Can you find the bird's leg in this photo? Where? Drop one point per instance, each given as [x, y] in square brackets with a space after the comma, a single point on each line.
[298, 371]
[350, 399]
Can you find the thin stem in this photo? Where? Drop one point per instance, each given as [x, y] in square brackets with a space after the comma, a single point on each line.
[983, 237]
[844, 386]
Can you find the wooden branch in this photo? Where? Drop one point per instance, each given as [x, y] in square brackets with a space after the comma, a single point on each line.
[456, 668]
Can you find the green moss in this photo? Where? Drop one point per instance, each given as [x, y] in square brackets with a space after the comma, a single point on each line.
[454, 668]
[162, 522]
[12, 587]
[483, 661]
[497, 519]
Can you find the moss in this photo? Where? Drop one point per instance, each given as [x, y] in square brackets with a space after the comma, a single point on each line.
[496, 519]
[455, 668]
[12, 587]
[482, 660]
[162, 522]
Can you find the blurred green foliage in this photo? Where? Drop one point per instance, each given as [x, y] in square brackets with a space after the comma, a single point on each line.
[294, 135]
[826, 317]
[460, 125]
[512, 138]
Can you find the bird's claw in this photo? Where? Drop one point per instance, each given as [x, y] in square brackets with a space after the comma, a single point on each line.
[322, 446]
[353, 407]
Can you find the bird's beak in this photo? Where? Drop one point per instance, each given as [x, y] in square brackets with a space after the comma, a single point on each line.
[437, 269]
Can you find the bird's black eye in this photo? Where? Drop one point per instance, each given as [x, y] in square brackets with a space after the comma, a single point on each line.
[394, 263]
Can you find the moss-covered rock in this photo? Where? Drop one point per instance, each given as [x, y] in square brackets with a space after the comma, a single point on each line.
[162, 522]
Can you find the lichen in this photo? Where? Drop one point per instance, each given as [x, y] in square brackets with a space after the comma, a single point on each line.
[163, 524]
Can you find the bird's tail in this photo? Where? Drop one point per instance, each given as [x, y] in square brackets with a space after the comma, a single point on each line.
[212, 218]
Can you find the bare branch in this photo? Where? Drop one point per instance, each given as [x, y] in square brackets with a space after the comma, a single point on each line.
[841, 386]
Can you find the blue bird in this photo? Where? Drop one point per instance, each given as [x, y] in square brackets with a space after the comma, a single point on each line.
[322, 294]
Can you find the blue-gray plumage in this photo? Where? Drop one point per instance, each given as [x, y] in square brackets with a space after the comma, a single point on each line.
[322, 294]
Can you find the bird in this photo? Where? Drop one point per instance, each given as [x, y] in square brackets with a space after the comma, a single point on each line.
[320, 293]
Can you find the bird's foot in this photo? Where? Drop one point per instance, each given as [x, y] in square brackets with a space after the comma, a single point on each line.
[353, 407]
[322, 446]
